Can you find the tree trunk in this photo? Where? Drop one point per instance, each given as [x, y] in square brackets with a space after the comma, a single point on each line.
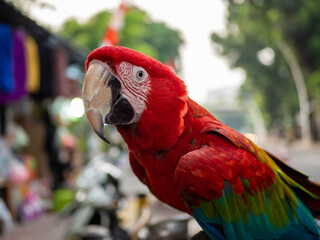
[301, 90]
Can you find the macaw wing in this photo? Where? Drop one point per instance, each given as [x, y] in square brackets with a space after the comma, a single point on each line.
[233, 195]
[308, 190]
[313, 203]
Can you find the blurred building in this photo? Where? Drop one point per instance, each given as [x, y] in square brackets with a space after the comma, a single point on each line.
[241, 114]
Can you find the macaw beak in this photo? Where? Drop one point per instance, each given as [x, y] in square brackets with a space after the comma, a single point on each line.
[103, 102]
[96, 96]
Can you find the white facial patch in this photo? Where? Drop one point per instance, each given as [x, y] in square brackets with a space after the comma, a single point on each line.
[135, 87]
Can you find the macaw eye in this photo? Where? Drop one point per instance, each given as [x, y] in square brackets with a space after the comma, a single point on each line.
[140, 74]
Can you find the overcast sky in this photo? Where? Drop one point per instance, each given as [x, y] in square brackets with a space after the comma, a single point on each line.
[203, 70]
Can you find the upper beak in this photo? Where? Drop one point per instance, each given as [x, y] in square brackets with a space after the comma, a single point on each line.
[97, 96]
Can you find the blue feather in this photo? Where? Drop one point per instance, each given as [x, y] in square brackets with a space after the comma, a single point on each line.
[306, 219]
[211, 231]
[299, 232]
[228, 230]
[240, 230]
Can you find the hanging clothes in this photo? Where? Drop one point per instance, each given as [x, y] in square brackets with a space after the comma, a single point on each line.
[33, 65]
[62, 85]
[46, 72]
[19, 69]
[19, 59]
[6, 59]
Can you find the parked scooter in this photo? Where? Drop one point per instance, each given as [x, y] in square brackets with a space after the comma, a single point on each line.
[94, 210]
[174, 228]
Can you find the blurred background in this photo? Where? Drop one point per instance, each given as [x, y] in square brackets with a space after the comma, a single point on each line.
[254, 64]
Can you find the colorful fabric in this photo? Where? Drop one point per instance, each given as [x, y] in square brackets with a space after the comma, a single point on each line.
[6, 59]
[19, 69]
[33, 65]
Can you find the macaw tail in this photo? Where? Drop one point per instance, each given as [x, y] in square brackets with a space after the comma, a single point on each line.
[312, 203]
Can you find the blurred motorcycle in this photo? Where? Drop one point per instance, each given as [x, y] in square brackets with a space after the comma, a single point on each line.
[174, 228]
[94, 210]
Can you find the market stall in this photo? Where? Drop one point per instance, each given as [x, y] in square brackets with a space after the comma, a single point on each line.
[36, 67]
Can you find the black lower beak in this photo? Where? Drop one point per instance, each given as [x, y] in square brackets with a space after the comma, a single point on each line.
[121, 110]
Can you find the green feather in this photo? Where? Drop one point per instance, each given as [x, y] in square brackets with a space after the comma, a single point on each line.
[278, 208]
[243, 208]
[290, 195]
[262, 200]
[251, 201]
[278, 184]
[222, 207]
[270, 215]
[209, 209]
[232, 202]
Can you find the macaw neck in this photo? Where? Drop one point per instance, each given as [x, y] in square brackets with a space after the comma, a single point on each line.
[157, 129]
[162, 131]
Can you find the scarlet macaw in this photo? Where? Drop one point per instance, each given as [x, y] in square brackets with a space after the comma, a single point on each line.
[189, 159]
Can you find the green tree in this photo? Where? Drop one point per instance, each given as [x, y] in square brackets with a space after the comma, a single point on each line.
[89, 34]
[140, 32]
[288, 32]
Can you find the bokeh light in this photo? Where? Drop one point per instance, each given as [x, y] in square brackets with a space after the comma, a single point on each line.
[76, 108]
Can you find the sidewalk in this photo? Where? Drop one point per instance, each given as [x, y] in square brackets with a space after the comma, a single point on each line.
[46, 227]
[303, 158]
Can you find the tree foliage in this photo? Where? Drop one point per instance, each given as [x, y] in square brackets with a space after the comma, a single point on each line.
[140, 32]
[256, 25]
[88, 34]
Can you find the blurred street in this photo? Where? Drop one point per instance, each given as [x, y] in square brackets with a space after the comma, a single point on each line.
[305, 159]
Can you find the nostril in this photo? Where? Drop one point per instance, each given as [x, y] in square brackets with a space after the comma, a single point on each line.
[110, 64]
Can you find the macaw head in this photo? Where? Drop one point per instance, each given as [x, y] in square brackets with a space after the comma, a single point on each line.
[124, 87]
